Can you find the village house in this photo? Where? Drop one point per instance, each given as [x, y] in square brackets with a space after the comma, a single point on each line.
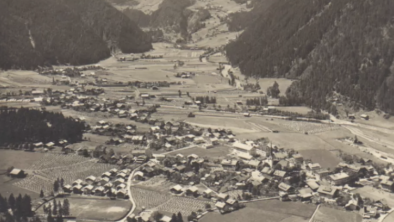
[118, 181]
[328, 191]
[286, 188]
[229, 163]
[67, 188]
[87, 190]
[223, 196]
[121, 194]
[90, 179]
[17, 173]
[192, 191]
[280, 174]
[77, 189]
[339, 179]
[313, 167]
[222, 207]
[312, 184]
[177, 189]
[387, 185]
[244, 148]
[298, 158]
[208, 193]
[305, 194]
[99, 191]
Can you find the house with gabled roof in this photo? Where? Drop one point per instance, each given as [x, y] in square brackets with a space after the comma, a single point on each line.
[328, 191]
[286, 188]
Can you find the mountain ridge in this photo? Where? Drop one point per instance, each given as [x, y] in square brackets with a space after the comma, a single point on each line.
[337, 49]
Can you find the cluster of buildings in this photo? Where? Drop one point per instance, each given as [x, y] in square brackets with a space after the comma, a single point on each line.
[259, 171]
[112, 183]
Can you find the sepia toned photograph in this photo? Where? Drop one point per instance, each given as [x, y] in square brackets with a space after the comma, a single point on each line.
[196, 110]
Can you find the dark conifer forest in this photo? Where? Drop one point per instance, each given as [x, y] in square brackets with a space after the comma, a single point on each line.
[47, 32]
[337, 47]
[28, 126]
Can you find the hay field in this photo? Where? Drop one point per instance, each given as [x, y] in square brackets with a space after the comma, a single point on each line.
[17, 159]
[267, 211]
[97, 209]
[217, 151]
[333, 215]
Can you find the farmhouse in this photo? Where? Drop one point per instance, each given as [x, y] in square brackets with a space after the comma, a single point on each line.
[327, 191]
[88, 189]
[99, 191]
[223, 196]
[177, 189]
[207, 193]
[305, 194]
[90, 179]
[280, 173]
[77, 189]
[387, 185]
[244, 148]
[121, 194]
[312, 184]
[17, 173]
[339, 179]
[192, 191]
[286, 187]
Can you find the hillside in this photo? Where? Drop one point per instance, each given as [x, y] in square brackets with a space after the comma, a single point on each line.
[339, 50]
[46, 32]
[171, 16]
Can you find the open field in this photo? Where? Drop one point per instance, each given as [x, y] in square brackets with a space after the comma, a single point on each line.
[325, 158]
[43, 169]
[333, 215]
[97, 209]
[389, 218]
[267, 211]
[217, 151]
[164, 201]
[17, 159]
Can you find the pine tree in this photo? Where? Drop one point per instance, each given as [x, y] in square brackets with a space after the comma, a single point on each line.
[54, 207]
[26, 205]
[11, 201]
[56, 186]
[60, 211]
[50, 217]
[3, 204]
[174, 218]
[66, 207]
[180, 218]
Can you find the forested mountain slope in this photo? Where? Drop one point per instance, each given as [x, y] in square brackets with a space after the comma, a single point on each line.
[45, 32]
[337, 47]
[171, 16]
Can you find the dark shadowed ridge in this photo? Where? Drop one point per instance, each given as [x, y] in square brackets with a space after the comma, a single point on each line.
[337, 47]
[47, 32]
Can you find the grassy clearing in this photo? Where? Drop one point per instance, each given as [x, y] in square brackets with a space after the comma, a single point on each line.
[389, 218]
[98, 209]
[271, 211]
[324, 157]
[17, 159]
[333, 215]
[217, 151]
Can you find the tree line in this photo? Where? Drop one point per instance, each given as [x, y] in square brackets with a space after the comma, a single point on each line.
[206, 99]
[15, 209]
[30, 126]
